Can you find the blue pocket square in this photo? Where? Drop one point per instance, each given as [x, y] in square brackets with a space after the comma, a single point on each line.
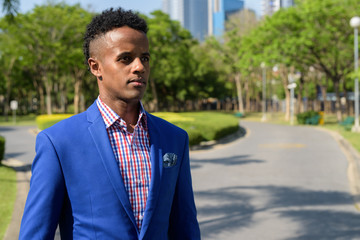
[169, 160]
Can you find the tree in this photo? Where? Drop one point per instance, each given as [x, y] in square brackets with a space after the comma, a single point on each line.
[310, 34]
[171, 60]
[49, 42]
[237, 27]
[10, 7]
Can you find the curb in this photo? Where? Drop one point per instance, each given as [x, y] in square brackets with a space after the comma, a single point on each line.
[23, 174]
[353, 159]
[241, 132]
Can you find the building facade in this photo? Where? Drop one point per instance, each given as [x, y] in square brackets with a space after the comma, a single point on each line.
[202, 17]
[271, 6]
[221, 10]
[192, 15]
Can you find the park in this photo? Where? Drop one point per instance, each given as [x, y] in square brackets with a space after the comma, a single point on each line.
[271, 109]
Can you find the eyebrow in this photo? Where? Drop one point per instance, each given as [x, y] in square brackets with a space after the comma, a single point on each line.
[129, 53]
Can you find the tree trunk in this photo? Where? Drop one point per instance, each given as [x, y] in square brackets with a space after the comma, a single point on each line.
[299, 105]
[347, 105]
[76, 96]
[337, 103]
[78, 75]
[48, 94]
[284, 77]
[8, 88]
[239, 93]
[154, 93]
[247, 96]
[62, 90]
[7, 97]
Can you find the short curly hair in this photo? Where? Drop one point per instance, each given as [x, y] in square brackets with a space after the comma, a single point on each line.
[107, 21]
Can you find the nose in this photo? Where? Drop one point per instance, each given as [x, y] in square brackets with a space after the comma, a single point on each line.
[138, 66]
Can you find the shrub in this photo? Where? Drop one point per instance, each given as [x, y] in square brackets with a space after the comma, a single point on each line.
[45, 121]
[203, 126]
[2, 148]
[302, 117]
[195, 137]
[226, 131]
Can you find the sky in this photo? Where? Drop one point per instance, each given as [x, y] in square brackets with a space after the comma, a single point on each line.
[143, 6]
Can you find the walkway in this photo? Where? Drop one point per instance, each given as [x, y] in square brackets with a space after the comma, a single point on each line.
[279, 182]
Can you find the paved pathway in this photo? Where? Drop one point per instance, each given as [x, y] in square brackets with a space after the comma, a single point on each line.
[19, 153]
[20, 142]
[279, 182]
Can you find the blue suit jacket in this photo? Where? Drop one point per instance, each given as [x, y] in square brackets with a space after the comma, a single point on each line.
[76, 183]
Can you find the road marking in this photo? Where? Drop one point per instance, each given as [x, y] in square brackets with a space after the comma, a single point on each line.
[282, 145]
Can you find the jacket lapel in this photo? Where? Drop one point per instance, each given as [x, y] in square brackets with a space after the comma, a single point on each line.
[156, 172]
[100, 137]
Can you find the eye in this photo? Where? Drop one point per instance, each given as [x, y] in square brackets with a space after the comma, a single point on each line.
[145, 59]
[125, 59]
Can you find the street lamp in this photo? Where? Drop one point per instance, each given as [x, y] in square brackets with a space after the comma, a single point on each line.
[292, 87]
[355, 23]
[263, 67]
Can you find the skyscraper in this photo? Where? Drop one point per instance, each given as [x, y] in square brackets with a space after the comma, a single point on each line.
[221, 10]
[197, 18]
[202, 17]
[271, 6]
[192, 14]
[175, 9]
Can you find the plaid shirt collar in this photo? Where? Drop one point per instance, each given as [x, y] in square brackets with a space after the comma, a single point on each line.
[110, 117]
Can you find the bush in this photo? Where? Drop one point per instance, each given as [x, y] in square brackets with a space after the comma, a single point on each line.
[195, 137]
[226, 131]
[2, 148]
[45, 121]
[302, 117]
[203, 126]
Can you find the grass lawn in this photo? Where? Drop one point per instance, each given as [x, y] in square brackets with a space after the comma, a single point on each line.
[7, 197]
[27, 120]
[332, 124]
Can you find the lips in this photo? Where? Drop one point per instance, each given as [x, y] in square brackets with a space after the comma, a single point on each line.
[137, 82]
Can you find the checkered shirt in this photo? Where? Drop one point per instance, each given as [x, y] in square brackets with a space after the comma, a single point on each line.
[132, 152]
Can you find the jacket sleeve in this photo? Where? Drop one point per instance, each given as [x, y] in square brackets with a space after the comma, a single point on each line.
[183, 222]
[45, 198]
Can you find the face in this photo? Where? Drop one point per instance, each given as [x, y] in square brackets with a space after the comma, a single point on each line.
[121, 59]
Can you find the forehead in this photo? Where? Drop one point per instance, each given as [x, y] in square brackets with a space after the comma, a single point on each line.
[124, 38]
[125, 34]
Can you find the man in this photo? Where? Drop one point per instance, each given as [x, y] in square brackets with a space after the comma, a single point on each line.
[114, 171]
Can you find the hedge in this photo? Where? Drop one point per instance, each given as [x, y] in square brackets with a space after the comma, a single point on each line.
[200, 126]
[2, 148]
[302, 117]
[203, 126]
[45, 121]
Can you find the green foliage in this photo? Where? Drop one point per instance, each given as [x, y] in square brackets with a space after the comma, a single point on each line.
[2, 148]
[314, 33]
[195, 136]
[181, 68]
[42, 51]
[45, 121]
[203, 126]
[303, 117]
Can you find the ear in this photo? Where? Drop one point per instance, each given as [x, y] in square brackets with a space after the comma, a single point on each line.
[95, 68]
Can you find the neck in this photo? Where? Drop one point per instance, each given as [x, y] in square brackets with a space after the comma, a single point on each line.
[128, 111]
